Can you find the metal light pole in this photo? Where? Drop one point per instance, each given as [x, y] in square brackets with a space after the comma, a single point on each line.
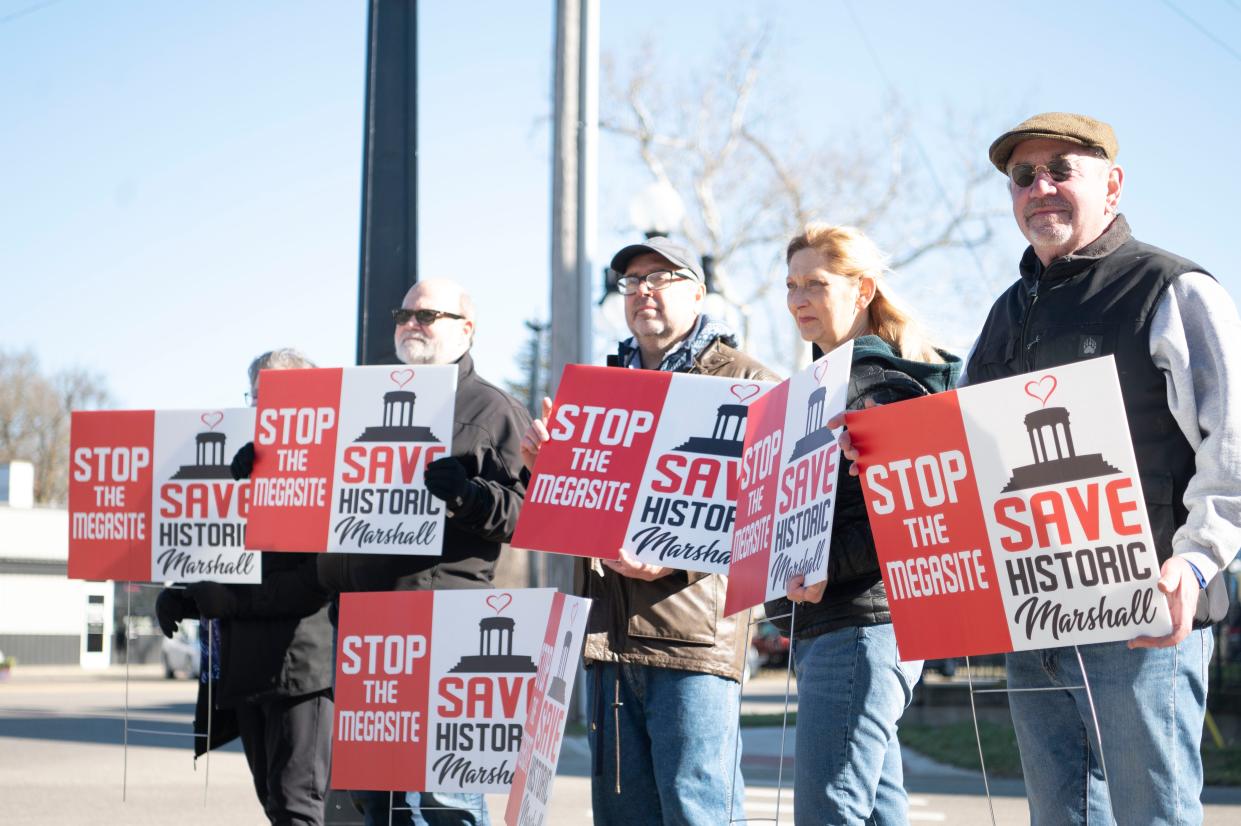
[389, 243]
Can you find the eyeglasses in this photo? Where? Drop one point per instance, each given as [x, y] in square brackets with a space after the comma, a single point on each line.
[655, 281]
[423, 317]
[1059, 169]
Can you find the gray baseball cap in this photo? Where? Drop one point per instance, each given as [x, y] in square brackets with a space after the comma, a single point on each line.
[676, 254]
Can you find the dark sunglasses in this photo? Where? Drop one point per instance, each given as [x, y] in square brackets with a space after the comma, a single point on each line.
[1059, 169]
[423, 317]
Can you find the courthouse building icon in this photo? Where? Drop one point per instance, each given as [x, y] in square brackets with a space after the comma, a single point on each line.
[1055, 456]
[818, 434]
[398, 421]
[209, 458]
[727, 437]
[495, 650]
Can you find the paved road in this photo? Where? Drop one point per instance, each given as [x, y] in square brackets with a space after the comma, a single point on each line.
[62, 762]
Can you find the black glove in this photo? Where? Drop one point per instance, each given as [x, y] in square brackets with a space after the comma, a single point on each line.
[446, 479]
[171, 607]
[243, 462]
[214, 601]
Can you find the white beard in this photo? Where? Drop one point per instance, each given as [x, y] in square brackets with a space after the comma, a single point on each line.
[417, 351]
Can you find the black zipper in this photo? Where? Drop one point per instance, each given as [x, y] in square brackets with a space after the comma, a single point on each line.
[1032, 294]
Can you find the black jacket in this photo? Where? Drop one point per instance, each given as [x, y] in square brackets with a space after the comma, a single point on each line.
[1096, 302]
[855, 595]
[270, 646]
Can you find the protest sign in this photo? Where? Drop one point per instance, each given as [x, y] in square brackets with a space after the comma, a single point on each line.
[642, 459]
[339, 457]
[787, 494]
[422, 704]
[1009, 515]
[151, 498]
[548, 710]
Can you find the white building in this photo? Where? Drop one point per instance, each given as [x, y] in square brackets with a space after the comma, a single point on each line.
[46, 618]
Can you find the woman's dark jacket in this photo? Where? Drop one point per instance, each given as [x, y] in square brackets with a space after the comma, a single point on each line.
[855, 595]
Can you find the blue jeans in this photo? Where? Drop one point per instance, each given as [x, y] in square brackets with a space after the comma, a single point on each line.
[425, 809]
[445, 809]
[1150, 705]
[851, 690]
[679, 754]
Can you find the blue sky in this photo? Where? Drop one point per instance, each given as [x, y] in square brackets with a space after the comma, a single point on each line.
[181, 181]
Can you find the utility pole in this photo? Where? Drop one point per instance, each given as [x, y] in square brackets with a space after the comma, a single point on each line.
[389, 242]
[574, 183]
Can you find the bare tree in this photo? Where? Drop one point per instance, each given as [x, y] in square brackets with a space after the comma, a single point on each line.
[35, 416]
[749, 178]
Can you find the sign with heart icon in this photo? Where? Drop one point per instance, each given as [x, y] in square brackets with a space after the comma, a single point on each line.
[499, 602]
[1041, 389]
[341, 456]
[1009, 515]
[163, 506]
[787, 489]
[641, 459]
[744, 392]
[429, 682]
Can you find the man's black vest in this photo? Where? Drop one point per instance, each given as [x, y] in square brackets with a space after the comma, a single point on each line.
[1097, 302]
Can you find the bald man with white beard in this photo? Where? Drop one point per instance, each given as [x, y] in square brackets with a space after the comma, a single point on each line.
[482, 484]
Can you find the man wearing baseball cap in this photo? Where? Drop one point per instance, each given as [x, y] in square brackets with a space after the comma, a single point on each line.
[665, 665]
[1088, 288]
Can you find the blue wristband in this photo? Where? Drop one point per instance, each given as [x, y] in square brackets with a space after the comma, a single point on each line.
[1202, 582]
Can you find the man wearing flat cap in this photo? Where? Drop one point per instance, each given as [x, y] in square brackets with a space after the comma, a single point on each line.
[1088, 288]
[664, 664]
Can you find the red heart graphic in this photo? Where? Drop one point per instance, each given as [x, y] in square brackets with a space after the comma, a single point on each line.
[1035, 389]
[212, 419]
[402, 377]
[744, 392]
[819, 370]
[498, 602]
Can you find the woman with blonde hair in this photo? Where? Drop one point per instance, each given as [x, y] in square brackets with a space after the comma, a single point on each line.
[852, 686]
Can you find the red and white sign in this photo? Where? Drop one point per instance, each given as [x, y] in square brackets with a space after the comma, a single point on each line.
[432, 687]
[1009, 515]
[340, 456]
[787, 494]
[641, 459]
[549, 708]
[151, 498]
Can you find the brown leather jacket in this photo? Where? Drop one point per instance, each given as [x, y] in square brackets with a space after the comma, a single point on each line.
[676, 621]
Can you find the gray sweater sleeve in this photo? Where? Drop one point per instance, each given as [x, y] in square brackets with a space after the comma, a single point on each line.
[1196, 341]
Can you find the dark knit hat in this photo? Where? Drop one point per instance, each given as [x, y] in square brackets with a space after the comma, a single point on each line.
[1060, 126]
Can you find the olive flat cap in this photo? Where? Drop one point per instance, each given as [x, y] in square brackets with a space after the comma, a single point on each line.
[1060, 126]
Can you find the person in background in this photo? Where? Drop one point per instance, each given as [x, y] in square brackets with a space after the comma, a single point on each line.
[274, 665]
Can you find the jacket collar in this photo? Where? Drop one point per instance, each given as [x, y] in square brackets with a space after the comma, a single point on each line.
[465, 367]
[1116, 234]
